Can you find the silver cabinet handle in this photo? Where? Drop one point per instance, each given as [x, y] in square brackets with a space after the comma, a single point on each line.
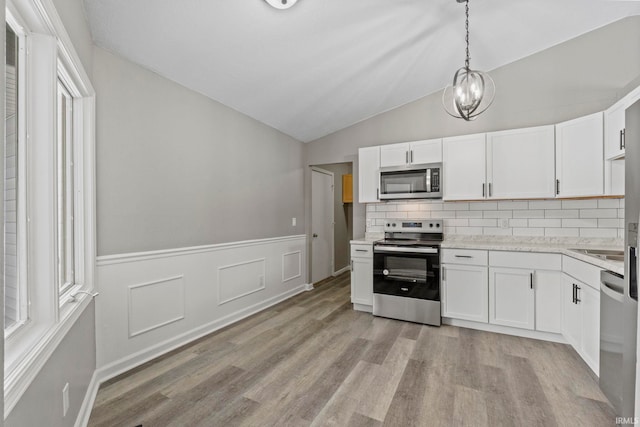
[531, 280]
[624, 139]
[411, 156]
[463, 256]
[362, 250]
[557, 186]
[444, 276]
[620, 139]
[483, 192]
[377, 194]
[406, 157]
[490, 190]
[577, 295]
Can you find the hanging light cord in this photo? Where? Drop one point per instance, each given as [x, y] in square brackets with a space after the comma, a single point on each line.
[466, 26]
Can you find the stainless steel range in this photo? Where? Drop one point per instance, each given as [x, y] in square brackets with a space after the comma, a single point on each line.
[406, 271]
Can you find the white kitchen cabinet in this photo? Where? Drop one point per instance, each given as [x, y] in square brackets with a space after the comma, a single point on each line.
[368, 174]
[408, 153]
[579, 157]
[521, 163]
[465, 288]
[548, 289]
[614, 126]
[511, 297]
[581, 313]
[614, 177]
[463, 159]
[362, 276]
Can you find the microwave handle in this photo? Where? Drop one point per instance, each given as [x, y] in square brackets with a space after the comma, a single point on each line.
[428, 180]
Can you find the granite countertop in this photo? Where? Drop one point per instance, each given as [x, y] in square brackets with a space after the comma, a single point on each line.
[562, 246]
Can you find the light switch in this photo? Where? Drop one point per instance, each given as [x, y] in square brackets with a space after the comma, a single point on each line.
[293, 222]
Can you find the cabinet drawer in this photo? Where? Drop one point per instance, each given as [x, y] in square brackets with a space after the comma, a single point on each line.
[361, 250]
[533, 261]
[583, 271]
[464, 256]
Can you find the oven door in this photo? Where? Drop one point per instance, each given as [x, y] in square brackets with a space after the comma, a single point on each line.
[407, 272]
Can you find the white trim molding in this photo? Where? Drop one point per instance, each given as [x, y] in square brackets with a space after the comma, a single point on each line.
[241, 280]
[138, 310]
[299, 273]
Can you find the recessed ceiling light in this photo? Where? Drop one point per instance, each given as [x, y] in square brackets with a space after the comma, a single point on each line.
[282, 4]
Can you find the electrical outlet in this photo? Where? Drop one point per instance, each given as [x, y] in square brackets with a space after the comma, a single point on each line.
[65, 399]
[293, 222]
[504, 223]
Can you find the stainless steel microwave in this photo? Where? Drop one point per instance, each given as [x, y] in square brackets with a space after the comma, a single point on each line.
[412, 182]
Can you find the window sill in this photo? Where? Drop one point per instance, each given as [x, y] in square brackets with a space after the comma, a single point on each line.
[31, 361]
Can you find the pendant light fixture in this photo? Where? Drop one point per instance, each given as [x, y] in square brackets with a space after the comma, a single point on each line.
[281, 4]
[472, 91]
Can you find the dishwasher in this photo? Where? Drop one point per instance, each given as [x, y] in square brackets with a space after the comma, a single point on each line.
[611, 337]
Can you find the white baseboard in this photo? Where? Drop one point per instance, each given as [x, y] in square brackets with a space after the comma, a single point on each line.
[309, 287]
[87, 403]
[127, 363]
[545, 336]
[342, 270]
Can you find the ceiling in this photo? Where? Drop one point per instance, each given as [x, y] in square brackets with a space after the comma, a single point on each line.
[323, 65]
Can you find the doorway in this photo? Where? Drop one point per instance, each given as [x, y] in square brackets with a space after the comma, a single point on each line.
[332, 213]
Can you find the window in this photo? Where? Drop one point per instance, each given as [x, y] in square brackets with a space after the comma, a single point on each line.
[49, 202]
[65, 197]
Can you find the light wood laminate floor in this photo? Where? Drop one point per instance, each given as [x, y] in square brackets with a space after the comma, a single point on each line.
[313, 360]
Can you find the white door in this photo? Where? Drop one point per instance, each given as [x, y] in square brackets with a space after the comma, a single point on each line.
[394, 155]
[511, 297]
[590, 301]
[428, 151]
[321, 225]
[548, 288]
[362, 280]
[463, 161]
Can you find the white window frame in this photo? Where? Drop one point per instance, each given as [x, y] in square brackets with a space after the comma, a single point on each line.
[50, 55]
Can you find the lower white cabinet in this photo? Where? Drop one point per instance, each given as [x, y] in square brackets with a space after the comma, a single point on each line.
[581, 319]
[511, 297]
[465, 292]
[362, 276]
[548, 289]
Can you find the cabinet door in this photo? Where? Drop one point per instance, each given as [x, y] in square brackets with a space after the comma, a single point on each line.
[571, 313]
[579, 157]
[394, 154]
[362, 281]
[463, 161]
[511, 297]
[368, 174]
[521, 163]
[548, 289]
[429, 151]
[465, 292]
[613, 128]
[590, 304]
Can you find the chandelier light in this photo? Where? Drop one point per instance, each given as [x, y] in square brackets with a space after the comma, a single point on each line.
[281, 4]
[472, 91]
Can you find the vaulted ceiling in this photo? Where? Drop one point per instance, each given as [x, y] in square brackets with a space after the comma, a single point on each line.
[323, 65]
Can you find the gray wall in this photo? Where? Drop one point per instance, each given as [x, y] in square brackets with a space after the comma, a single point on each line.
[176, 169]
[343, 216]
[74, 362]
[581, 76]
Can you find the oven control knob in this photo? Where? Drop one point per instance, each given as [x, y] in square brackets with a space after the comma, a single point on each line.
[388, 225]
[438, 225]
[430, 225]
[393, 225]
[385, 272]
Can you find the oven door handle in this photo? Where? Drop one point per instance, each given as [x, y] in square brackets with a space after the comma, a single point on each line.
[393, 249]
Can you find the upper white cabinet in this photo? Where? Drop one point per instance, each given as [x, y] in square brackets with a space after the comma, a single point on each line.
[521, 163]
[614, 126]
[463, 163]
[408, 153]
[579, 157]
[368, 174]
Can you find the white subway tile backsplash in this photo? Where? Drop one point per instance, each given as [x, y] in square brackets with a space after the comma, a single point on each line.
[498, 214]
[505, 206]
[562, 213]
[610, 203]
[580, 223]
[598, 213]
[528, 214]
[599, 232]
[549, 218]
[483, 206]
[528, 231]
[545, 204]
[579, 204]
[545, 223]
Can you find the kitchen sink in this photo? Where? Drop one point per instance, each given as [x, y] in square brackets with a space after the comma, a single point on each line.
[608, 254]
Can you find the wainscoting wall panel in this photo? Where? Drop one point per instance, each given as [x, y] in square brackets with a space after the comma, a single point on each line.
[153, 302]
[291, 266]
